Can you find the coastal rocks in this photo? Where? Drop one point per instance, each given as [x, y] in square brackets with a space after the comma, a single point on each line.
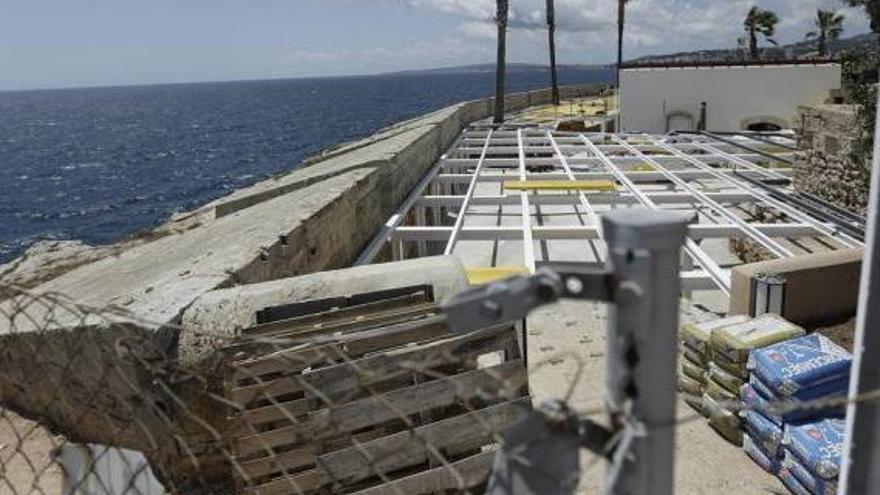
[823, 166]
[46, 260]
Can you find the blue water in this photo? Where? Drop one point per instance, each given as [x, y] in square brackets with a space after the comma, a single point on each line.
[99, 164]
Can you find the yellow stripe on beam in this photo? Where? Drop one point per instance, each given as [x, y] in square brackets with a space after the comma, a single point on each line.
[485, 275]
[561, 185]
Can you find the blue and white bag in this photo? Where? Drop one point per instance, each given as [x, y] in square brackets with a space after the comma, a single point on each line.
[761, 457]
[792, 483]
[764, 432]
[813, 483]
[804, 368]
[817, 445]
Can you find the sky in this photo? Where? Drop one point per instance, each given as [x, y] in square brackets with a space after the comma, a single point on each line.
[68, 43]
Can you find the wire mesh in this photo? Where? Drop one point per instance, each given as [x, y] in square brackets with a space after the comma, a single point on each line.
[374, 397]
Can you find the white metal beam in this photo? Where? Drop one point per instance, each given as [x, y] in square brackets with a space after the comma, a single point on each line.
[462, 212]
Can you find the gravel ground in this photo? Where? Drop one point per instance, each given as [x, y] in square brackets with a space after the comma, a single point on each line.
[566, 334]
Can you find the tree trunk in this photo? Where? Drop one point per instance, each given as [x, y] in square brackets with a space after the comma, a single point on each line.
[753, 45]
[500, 64]
[551, 32]
[823, 44]
[621, 15]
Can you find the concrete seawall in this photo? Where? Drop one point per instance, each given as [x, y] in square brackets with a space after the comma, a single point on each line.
[318, 217]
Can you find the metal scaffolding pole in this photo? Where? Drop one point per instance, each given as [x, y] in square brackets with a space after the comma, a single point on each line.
[472, 188]
[528, 244]
[861, 454]
[719, 275]
[771, 245]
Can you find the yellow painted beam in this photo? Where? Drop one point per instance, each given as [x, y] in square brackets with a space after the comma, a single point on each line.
[643, 167]
[485, 275]
[561, 185]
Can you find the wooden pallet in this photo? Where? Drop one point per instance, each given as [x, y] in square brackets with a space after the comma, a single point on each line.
[385, 400]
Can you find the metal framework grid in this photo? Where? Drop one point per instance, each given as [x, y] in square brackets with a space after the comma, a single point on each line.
[461, 206]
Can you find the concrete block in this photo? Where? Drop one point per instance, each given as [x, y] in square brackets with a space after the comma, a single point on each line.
[516, 101]
[821, 288]
[540, 97]
[220, 315]
[579, 91]
[473, 111]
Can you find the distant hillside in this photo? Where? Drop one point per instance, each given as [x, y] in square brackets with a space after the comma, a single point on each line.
[800, 50]
[490, 68]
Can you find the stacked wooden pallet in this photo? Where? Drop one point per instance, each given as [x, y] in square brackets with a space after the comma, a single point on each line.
[371, 394]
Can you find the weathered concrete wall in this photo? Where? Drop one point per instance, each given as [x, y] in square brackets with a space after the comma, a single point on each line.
[316, 218]
[219, 316]
[822, 166]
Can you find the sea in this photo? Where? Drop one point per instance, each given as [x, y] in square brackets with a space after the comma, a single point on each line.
[100, 164]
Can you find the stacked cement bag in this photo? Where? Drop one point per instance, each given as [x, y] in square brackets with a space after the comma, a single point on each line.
[800, 444]
[730, 347]
[811, 460]
[695, 362]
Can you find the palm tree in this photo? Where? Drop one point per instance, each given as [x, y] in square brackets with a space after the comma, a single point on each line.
[829, 26]
[763, 22]
[551, 32]
[500, 66]
[621, 17]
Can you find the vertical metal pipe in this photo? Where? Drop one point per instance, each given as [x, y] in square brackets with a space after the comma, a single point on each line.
[861, 454]
[643, 253]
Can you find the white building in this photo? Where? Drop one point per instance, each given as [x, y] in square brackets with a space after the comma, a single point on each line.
[746, 96]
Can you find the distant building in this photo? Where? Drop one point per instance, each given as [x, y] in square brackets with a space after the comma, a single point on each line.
[660, 98]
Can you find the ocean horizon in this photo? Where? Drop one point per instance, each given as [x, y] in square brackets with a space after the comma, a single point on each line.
[101, 163]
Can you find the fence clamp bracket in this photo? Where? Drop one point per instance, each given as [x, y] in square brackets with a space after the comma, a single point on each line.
[512, 299]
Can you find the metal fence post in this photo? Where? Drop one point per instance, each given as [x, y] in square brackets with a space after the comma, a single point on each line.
[643, 253]
[861, 454]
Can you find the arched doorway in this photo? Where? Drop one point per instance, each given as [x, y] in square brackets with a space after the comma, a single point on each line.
[763, 127]
[679, 121]
[764, 123]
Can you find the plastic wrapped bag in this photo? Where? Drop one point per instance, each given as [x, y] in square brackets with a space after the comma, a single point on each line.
[694, 356]
[697, 335]
[764, 432]
[813, 483]
[689, 386]
[800, 367]
[727, 380]
[757, 397]
[720, 394]
[724, 421]
[817, 445]
[762, 458]
[739, 370]
[693, 370]
[791, 482]
[736, 341]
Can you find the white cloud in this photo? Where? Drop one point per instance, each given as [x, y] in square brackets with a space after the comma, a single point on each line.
[587, 32]
[652, 25]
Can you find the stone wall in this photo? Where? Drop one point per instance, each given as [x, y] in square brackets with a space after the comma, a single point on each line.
[822, 166]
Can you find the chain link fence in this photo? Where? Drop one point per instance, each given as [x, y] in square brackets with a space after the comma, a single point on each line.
[369, 394]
